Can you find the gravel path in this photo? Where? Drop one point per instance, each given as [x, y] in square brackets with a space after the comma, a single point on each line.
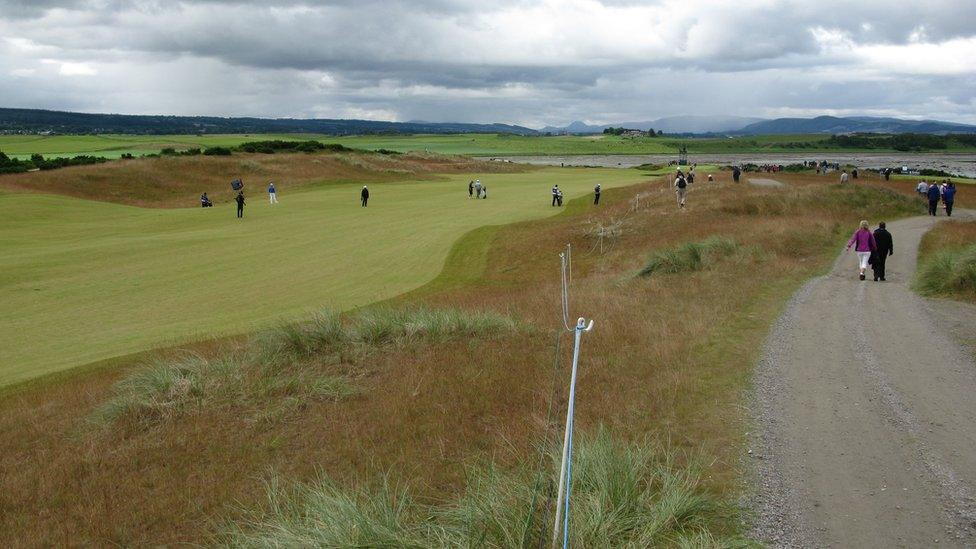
[865, 411]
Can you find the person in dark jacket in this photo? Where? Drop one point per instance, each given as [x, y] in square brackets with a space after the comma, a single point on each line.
[470, 189]
[934, 194]
[240, 204]
[364, 195]
[555, 194]
[596, 194]
[205, 201]
[948, 197]
[884, 247]
[736, 172]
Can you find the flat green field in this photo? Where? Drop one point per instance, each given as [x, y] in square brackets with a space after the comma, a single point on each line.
[82, 281]
[113, 146]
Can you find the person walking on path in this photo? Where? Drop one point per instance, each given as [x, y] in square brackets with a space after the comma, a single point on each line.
[948, 197]
[272, 193]
[555, 194]
[863, 243]
[934, 195]
[680, 189]
[596, 194]
[364, 195]
[240, 204]
[470, 189]
[884, 247]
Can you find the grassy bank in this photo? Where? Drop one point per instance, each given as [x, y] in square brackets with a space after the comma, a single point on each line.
[947, 262]
[668, 362]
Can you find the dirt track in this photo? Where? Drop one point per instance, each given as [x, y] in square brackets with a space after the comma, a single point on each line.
[866, 413]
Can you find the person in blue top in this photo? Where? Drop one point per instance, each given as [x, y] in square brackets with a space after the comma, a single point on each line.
[948, 197]
[272, 193]
[934, 195]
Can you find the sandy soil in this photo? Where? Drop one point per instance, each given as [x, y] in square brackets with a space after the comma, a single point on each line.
[866, 413]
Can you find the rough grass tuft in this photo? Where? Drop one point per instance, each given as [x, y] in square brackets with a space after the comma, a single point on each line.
[689, 257]
[948, 272]
[624, 495]
[286, 367]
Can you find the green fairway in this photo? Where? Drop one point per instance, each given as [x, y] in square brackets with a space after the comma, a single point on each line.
[113, 146]
[82, 281]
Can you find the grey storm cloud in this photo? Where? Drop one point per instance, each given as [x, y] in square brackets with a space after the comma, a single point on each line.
[520, 61]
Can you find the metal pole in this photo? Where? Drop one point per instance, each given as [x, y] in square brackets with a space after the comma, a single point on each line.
[565, 469]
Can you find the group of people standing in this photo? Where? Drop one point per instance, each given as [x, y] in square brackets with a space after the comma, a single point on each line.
[872, 248]
[238, 186]
[935, 193]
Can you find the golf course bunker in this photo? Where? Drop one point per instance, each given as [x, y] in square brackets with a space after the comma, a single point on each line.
[764, 182]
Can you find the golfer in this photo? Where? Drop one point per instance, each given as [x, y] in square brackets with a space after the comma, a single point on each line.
[240, 204]
[863, 243]
[364, 195]
[470, 189]
[272, 193]
[596, 194]
[555, 194]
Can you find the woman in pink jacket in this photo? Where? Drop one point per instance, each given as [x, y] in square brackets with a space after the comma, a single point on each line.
[863, 243]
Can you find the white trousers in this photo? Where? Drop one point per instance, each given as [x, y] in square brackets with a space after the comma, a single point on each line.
[273, 197]
[862, 259]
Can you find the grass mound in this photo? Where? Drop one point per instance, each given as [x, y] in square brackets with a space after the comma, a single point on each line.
[285, 367]
[689, 257]
[633, 495]
[948, 272]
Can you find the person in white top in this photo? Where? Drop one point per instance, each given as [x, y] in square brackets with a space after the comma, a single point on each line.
[843, 176]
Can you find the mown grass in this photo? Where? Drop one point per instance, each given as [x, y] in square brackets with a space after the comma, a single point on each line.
[286, 367]
[624, 495]
[947, 262]
[149, 278]
[113, 146]
[665, 360]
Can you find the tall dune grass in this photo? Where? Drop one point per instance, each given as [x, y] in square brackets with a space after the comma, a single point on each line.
[690, 256]
[948, 272]
[624, 495]
[286, 366]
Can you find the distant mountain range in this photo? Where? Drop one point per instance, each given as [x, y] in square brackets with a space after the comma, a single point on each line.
[670, 124]
[40, 121]
[37, 121]
[735, 125]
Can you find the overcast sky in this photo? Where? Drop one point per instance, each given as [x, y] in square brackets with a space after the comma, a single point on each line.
[515, 61]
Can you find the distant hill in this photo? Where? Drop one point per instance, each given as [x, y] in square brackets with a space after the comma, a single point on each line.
[854, 124]
[669, 124]
[698, 124]
[37, 121]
